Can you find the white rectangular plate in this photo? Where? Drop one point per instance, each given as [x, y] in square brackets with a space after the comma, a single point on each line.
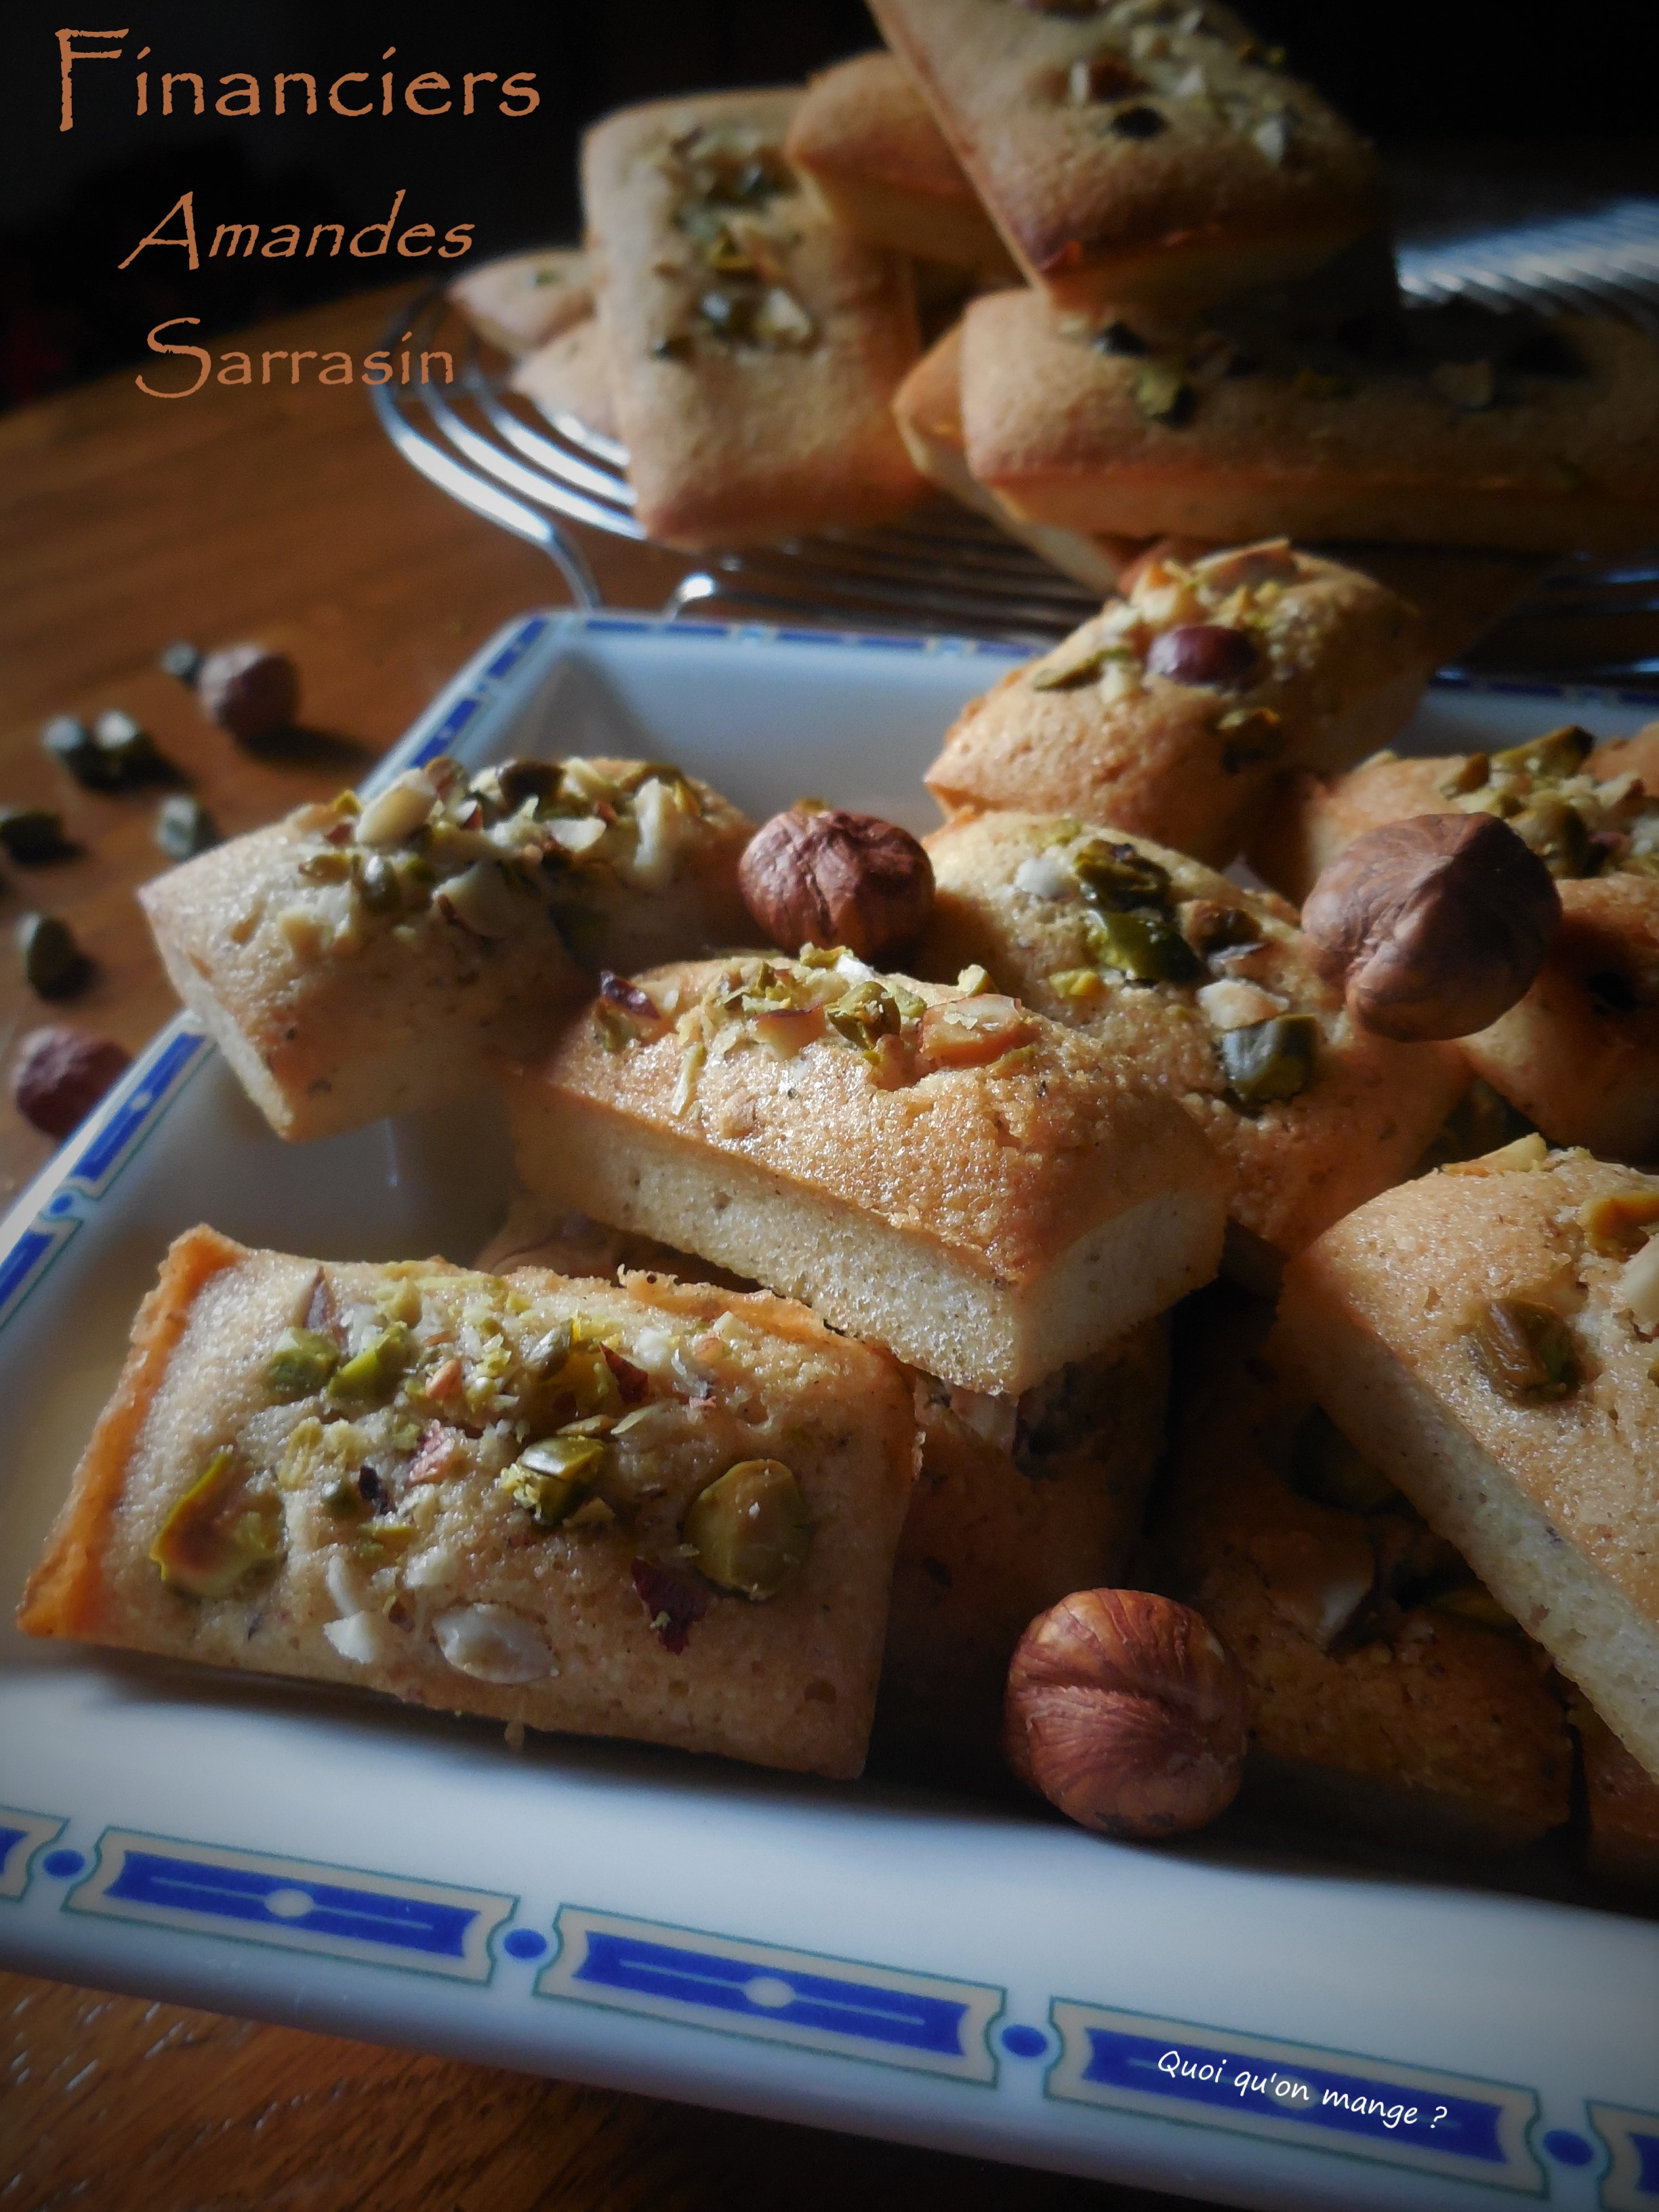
[1210, 2019]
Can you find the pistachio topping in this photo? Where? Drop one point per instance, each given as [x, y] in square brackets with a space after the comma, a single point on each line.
[1267, 1060]
[750, 1532]
[491, 855]
[303, 1363]
[1526, 1352]
[372, 1376]
[221, 1531]
[1579, 824]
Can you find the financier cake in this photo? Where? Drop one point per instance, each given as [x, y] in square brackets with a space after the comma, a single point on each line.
[1171, 712]
[630, 1508]
[752, 344]
[1487, 1337]
[1578, 1054]
[972, 1185]
[358, 960]
[1389, 1694]
[1206, 991]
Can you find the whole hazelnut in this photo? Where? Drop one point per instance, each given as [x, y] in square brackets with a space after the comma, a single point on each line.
[60, 1075]
[1434, 926]
[1128, 1713]
[248, 690]
[1204, 654]
[826, 877]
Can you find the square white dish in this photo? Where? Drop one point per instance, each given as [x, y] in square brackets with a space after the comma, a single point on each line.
[863, 1957]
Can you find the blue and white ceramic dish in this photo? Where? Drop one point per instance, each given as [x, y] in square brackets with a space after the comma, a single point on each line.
[1258, 2029]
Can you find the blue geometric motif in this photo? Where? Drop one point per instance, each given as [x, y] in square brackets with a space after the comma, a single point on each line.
[366, 1916]
[21, 1835]
[154, 1079]
[295, 1904]
[1630, 2183]
[897, 2016]
[1286, 2093]
[759, 1990]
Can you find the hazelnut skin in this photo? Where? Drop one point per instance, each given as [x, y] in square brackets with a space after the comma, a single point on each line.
[1209, 655]
[62, 1073]
[1434, 926]
[1128, 1713]
[249, 690]
[825, 877]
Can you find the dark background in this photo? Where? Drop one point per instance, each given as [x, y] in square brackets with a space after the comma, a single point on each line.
[1488, 86]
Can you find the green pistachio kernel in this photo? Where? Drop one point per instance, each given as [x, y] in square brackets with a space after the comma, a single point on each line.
[303, 1363]
[1071, 672]
[750, 1530]
[1078, 983]
[865, 1013]
[552, 1477]
[1146, 947]
[1557, 834]
[330, 865]
[1558, 752]
[344, 1501]
[217, 1533]
[1468, 775]
[1119, 877]
[1163, 395]
[1526, 1352]
[378, 884]
[1269, 1060]
[372, 1376]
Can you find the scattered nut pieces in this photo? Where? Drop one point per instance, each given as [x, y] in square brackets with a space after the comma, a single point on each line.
[1526, 1352]
[183, 828]
[60, 1075]
[1434, 926]
[54, 964]
[249, 690]
[129, 755]
[830, 877]
[1128, 1713]
[33, 835]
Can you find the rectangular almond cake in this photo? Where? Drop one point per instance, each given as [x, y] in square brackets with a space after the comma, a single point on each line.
[964, 1180]
[636, 1509]
[1488, 1337]
[358, 960]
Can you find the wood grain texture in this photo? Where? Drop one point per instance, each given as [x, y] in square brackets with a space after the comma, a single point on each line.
[282, 514]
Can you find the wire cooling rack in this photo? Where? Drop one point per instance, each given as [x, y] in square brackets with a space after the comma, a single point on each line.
[944, 568]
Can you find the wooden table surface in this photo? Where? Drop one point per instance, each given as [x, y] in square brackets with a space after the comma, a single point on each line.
[282, 514]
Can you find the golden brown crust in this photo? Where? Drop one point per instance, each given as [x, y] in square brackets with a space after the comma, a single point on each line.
[1343, 665]
[1191, 204]
[1372, 1708]
[1053, 424]
[61, 1595]
[869, 142]
[1295, 1164]
[526, 300]
[1552, 1502]
[570, 375]
[394, 1559]
[741, 443]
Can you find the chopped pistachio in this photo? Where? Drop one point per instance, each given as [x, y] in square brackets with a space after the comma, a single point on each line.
[373, 1376]
[865, 1013]
[344, 1501]
[749, 1531]
[1070, 671]
[1526, 1352]
[973, 979]
[1119, 876]
[551, 1479]
[1270, 1060]
[1556, 832]
[1560, 752]
[302, 1362]
[214, 1536]
[1146, 947]
[1163, 395]
[1078, 983]
[330, 865]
